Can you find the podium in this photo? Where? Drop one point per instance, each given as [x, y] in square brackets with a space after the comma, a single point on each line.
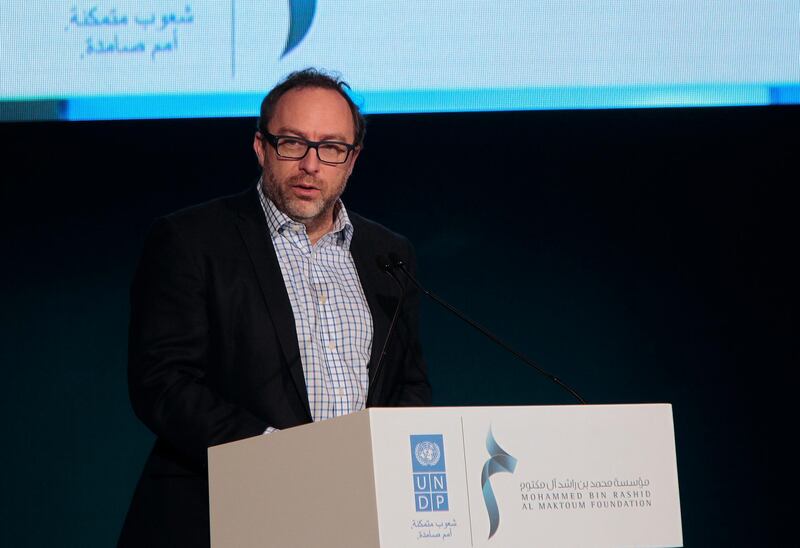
[460, 477]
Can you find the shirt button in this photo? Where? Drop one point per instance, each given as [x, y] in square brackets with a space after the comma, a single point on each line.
[323, 299]
[331, 345]
[340, 392]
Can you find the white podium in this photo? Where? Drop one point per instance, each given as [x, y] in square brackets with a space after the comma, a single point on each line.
[506, 477]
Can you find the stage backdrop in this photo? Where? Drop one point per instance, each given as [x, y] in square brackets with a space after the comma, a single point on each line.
[643, 255]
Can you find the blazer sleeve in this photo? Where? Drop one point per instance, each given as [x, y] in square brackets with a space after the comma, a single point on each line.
[168, 351]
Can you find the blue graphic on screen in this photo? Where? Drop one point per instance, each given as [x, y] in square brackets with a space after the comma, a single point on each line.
[429, 474]
[302, 15]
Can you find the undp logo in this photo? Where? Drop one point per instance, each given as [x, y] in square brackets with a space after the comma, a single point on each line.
[430, 477]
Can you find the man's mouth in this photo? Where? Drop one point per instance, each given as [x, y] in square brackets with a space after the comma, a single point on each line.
[306, 190]
[304, 183]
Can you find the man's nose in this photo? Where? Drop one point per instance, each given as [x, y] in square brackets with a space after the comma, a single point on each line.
[310, 162]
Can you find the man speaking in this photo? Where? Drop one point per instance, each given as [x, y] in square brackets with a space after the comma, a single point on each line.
[265, 310]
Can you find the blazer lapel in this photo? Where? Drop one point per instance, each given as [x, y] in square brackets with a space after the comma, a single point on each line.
[255, 233]
[371, 277]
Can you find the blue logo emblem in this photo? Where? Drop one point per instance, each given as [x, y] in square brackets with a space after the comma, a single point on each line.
[430, 477]
[302, 15]
[499, 461]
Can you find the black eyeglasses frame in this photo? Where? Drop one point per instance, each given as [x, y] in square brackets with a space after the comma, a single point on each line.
[273, 140]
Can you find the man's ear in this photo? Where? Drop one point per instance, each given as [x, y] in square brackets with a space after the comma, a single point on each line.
[353, 159]
[259, 148]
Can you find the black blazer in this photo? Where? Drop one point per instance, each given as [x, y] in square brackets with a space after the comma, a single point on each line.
[213, 354]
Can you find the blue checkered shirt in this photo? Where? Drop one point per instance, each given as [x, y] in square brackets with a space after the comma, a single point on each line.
[331, 315]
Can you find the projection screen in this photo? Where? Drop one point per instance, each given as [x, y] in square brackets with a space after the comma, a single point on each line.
[121, 59]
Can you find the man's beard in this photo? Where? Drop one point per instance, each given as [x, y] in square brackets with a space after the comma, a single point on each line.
[300, 210]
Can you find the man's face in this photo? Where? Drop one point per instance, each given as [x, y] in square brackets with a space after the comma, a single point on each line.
[307, 189]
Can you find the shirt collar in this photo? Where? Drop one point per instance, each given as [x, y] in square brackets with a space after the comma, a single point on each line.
[278, 221]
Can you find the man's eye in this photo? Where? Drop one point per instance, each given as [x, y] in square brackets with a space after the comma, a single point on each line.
[333, 147]
[292, 143]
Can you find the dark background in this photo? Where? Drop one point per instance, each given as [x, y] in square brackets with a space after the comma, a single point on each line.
[642, 255]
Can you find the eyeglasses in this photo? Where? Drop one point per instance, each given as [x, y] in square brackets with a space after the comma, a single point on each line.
[296, 148]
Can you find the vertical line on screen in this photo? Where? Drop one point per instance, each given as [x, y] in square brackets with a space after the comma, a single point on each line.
[233, 38]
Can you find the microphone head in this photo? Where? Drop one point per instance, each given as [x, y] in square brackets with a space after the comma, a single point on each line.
[384, 264]
[396, 261]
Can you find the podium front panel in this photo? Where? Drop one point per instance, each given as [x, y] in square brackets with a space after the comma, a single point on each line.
[515, 477]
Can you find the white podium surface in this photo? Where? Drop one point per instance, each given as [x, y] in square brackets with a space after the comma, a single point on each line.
[503, 477]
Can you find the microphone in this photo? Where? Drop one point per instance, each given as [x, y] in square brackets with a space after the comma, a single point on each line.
[386, 266]
[396, 263]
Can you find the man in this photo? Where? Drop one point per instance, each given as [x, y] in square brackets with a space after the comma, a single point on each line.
[264, 310]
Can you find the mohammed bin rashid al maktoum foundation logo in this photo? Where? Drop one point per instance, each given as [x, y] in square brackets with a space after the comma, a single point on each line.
[498, 461]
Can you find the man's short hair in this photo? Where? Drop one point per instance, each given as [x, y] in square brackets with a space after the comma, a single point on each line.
[311, 78]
